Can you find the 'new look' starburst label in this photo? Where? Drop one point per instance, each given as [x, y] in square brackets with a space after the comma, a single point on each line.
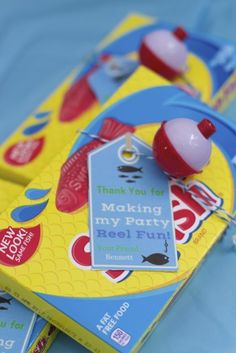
[131, 223]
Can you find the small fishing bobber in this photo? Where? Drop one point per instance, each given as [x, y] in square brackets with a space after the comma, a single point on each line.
[165, 52]
[182, 146]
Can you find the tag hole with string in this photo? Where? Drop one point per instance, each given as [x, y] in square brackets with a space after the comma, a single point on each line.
[128, 153]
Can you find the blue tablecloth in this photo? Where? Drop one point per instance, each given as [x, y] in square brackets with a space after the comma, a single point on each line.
[40, 42]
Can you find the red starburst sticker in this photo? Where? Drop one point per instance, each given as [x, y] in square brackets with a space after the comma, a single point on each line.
[23, 152]
[18, 245]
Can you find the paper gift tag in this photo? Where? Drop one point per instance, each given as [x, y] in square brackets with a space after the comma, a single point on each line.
[110, 76]
[131, 224]
[16, 325]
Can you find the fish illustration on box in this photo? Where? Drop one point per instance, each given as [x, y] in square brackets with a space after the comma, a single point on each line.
[72, 191]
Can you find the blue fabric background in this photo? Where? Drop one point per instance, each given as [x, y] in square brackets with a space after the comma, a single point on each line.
[40, 42]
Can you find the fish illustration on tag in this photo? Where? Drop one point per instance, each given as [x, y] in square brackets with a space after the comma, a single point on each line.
[156, 259]
[128, 173]
[129, 169]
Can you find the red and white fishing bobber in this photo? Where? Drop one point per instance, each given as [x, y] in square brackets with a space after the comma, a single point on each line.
[182, 147]
[165, 52]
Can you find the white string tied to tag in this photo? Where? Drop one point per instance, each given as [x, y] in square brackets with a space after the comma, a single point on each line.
[129, 148]
[93, 136]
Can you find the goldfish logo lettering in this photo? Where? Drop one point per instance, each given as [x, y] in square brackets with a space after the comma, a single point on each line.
[80, 255]
[189, 213]
[79, 252]
[18, 245]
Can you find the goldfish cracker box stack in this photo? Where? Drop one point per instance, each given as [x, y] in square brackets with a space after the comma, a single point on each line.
[45, 241]
[208, 74]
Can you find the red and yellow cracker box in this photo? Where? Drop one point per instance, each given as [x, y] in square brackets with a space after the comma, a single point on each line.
[209, 75]
[45, 239]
